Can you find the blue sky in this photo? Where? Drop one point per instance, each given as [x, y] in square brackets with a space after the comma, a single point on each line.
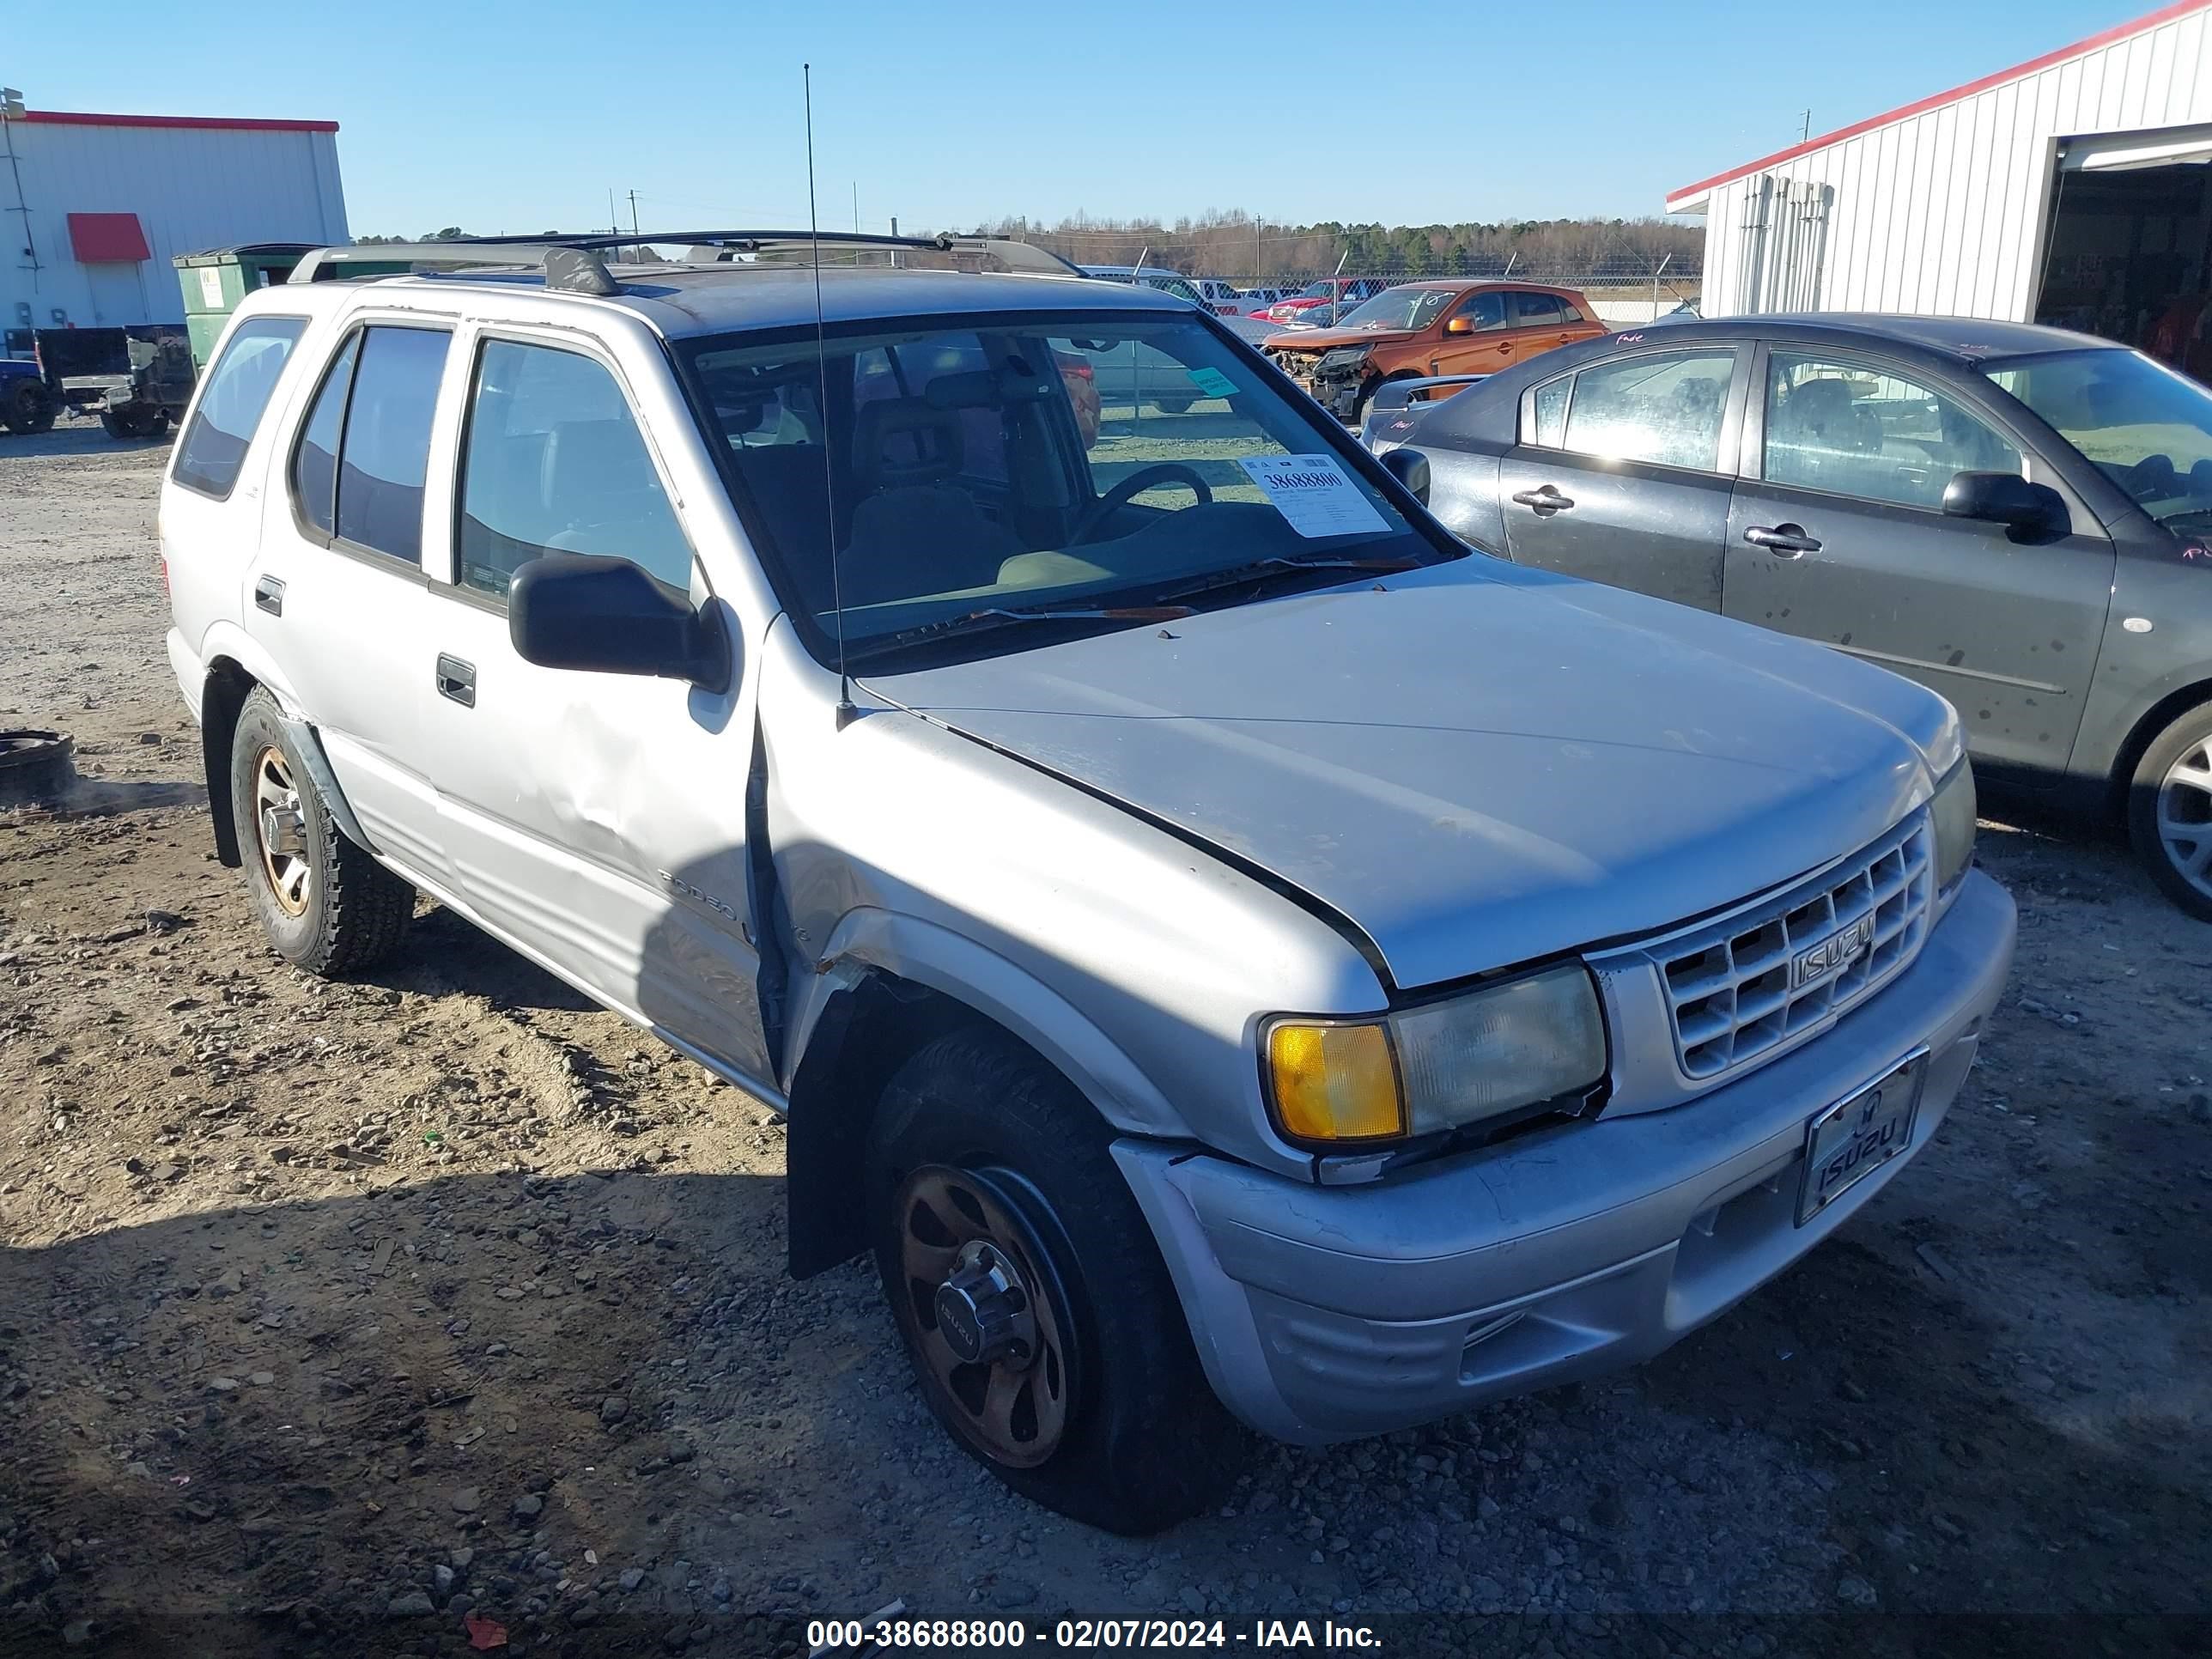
[498, 115]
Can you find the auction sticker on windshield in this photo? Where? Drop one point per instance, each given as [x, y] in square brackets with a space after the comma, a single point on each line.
[1315, 494]
[1213, 382]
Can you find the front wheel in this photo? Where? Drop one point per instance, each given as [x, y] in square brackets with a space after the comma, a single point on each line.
[2170, 810]
[326, 905]
[1034, 1305]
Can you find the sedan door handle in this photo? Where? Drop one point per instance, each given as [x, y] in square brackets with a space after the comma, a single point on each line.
[1790, 540]
[457, 680]
[1544, 501]
[269, 595]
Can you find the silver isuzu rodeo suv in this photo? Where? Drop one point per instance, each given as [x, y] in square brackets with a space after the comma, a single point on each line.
[1233, 951]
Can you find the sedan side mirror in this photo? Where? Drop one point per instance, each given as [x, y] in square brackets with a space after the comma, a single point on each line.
[1410, 468]
[607, 617]
[2007, 499]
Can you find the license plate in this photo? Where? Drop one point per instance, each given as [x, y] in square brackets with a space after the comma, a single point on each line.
[1851, 1140]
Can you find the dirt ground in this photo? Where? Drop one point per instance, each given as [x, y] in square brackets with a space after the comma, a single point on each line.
[334, 1316]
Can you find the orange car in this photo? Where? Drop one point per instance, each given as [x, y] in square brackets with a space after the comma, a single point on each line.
[1420, 329]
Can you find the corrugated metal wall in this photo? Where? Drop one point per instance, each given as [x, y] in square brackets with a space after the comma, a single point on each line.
[1941, 213]
[192, 188]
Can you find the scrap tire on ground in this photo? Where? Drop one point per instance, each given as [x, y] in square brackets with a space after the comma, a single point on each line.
[1143, 1442]
[118, 427]
[344, 911]
[2172, 785]
[29, 407]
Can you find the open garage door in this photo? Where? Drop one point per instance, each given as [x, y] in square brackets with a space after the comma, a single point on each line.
[2129, 253]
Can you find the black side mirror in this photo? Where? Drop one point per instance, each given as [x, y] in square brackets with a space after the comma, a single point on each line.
[2007, 499]
[1410, 468]
[607, 617]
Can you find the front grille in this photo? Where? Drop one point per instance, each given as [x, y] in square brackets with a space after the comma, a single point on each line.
[1740, 986]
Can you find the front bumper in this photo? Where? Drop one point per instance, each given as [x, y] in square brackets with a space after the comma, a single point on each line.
[1326, 1313]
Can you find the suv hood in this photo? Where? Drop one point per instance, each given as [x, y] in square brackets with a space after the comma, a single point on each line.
[1327, 339]
[1475, 764]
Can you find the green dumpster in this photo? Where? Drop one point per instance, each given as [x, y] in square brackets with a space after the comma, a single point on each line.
[216, 280]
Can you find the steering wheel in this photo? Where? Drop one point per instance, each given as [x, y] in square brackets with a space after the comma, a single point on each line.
[1135, 485]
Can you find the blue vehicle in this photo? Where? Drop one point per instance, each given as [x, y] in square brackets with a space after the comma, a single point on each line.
[27, 403]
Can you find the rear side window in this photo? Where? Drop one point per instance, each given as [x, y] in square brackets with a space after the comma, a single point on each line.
[385, 452]
[358, 471]
[1537, 311]
[315, 462]
[554, 463]
[213, 449]
[1664, 409]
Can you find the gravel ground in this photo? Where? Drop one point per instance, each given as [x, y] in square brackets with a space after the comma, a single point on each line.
[339, 1315]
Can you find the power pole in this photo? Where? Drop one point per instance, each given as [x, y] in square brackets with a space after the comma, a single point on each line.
[1805, 136]
[633, 213]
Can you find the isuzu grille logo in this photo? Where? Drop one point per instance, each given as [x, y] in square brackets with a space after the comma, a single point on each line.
[1834, 953]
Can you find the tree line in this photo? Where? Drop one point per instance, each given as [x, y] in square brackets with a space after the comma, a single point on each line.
[1242, 248]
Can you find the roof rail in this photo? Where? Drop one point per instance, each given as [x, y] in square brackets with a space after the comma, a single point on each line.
[576, 264]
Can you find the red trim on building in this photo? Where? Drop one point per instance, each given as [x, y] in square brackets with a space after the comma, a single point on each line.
[104, 238]
[70, 117]
[2164, 15]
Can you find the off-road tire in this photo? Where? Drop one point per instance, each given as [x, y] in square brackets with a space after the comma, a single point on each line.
[1146, 1442]
[355, 911]
[2192, 732]
[29, 408]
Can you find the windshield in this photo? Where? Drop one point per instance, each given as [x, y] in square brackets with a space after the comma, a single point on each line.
[2145, 427]
[1398, 307]
[1031, 461]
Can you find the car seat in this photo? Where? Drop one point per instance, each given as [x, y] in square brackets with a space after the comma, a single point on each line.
[915, 531]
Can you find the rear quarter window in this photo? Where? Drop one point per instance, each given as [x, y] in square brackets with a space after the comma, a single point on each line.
[212, 452]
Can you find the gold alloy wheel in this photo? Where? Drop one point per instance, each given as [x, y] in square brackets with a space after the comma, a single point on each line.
[987, 1320]
[280, 828]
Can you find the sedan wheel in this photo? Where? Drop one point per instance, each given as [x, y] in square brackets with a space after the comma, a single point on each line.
[2170, 810]
[2185, 817]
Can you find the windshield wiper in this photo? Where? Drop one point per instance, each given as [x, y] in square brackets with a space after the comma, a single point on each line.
[1277, 564]
[999, 616]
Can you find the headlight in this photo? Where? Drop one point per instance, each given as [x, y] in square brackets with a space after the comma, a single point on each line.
[1953, 812]
[1341, 358]
[1437, 1067]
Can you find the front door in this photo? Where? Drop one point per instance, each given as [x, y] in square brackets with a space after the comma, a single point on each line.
[1476, 337]
[1618, 477]
[1842, 538]
[597, 820]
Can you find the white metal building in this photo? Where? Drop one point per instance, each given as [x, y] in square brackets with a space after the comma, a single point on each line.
[2074, 189]
[94, 207]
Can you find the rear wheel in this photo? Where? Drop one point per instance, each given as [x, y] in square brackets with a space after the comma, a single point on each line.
[1038, 1315]
[1174, 405]
[2170, 810]
[326, 905]
[29, 407]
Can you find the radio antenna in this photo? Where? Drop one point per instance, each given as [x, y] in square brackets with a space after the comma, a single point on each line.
[845, 710]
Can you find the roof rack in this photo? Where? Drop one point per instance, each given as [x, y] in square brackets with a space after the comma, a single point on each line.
[575, 264]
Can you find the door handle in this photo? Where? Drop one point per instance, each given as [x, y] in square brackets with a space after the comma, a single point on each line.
[269, 595]
[1544, 501]
[1790, 540]
[457, 680]
[1505, 347]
